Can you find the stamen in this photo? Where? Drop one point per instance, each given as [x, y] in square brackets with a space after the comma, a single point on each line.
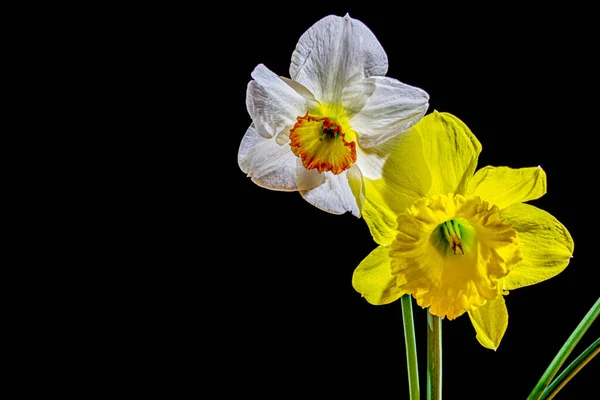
[452, 233]
[456, 227]
[332, 130]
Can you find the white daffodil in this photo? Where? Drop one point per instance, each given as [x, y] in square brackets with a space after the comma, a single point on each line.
[333, 123]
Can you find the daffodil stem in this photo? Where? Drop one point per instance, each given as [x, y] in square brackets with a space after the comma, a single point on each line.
[434, 357]
[411, 347]
[564, 352]
[571, 371]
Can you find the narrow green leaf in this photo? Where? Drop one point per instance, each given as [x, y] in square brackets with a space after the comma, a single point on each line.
[571, 371]
[564, 352]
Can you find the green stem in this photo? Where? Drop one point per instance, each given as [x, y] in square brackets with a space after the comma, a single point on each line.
[564, 352]
[411, 346]
[434, 357]
[565, 376]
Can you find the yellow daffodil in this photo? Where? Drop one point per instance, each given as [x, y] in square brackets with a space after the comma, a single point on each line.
[457, 240]
[333, 123]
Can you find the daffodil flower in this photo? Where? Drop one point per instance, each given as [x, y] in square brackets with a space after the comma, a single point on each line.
[457, 240]
[333, 123]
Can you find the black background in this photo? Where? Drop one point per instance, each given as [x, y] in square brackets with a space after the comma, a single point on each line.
[162, 269]
[290, 320]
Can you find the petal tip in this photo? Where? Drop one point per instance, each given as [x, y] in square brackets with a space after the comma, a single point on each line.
[257, 69]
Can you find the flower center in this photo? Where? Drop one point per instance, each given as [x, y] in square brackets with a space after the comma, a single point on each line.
[451, 253]
[453, 236]
[324, 140]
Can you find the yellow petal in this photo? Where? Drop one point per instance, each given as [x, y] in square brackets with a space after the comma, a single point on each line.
[451, 151]
[546, 244]
[373, 278]
[404, 178]
[490, 322]
[503, 186]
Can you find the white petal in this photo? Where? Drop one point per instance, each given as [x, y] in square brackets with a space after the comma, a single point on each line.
[383, 107]
[371, 160]
[272, 103]
[333, 50]
[299, 88]
[269, 164]
[334, 195]
[356, 93]
[357, 185]
[307, 179]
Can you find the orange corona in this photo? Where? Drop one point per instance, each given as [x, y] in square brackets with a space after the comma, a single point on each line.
[321, 144]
